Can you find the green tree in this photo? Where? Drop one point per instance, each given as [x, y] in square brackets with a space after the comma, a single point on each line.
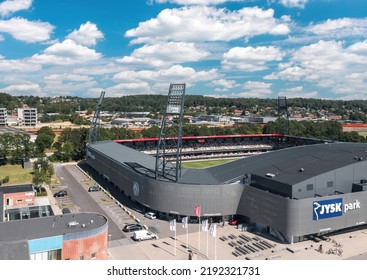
[42, 171]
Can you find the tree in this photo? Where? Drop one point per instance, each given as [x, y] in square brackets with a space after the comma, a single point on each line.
[43, 170]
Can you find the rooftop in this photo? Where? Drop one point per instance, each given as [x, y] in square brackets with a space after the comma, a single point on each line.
[49, 226]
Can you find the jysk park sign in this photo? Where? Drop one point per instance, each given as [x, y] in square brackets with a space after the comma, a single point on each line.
[324, 209]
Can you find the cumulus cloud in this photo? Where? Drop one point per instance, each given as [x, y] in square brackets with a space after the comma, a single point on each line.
[176, 74]
[294, 3]
[27, 31]
[86, 35]
[256, 89]
[11, 6]
[327, 64]
[163, 54]
[224, 84]
[11, 65]
[200, 23]
[339, 28]
[298, 92]
[193, 2]
[66, 53]
[251, 59]
[68, 77]
[20, 89]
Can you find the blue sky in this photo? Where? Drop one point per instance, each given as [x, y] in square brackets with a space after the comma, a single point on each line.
[220, 48]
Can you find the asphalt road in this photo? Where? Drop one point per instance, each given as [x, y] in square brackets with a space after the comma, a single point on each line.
[83, 200]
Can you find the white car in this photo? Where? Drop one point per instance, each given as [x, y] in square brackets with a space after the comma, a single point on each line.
[150, 215]
[144, 235]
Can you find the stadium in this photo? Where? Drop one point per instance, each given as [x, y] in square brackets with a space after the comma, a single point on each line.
[290, 187]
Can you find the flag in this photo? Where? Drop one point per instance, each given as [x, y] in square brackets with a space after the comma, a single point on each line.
[197, 210]
[204, 225]
[185, 222]
[213, 230]
[172, 225]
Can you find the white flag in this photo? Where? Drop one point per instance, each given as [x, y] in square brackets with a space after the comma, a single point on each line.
[185, 222]
[204, 225]
[213, 230]
[172, 225]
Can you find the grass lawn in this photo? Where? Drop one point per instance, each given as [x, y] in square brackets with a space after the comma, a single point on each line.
[17, 175]
[364, 133]
[205, 163]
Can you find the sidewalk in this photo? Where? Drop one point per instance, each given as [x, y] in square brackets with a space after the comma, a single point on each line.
[354, 245]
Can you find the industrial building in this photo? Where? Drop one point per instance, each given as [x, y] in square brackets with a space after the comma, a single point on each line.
[80, 236]
[291, 193]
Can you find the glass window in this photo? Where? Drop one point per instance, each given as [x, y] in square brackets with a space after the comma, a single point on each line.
[309, 187]
[330, 184]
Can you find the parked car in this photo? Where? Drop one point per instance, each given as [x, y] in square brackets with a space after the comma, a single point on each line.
[132, 227]
[60, 193]
[150, 215]
[93, 189]
[233, 222]
[144, 235]
[66, 211]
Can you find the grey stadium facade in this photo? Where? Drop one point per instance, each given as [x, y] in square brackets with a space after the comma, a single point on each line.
[291, 193]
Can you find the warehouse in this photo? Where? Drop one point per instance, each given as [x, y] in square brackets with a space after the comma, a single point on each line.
[291, 193]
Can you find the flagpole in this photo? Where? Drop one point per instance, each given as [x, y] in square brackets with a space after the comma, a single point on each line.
[187, 237]
[215, 244]
[207, 235]
[175, 240]
[199, 235]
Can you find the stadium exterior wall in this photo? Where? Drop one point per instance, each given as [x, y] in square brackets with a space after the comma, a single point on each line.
[289, 218]
[169, 197]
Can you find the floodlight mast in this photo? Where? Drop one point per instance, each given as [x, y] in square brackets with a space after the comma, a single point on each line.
[96, 121]
[164, 166]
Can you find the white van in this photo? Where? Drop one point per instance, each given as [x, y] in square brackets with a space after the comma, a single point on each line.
[144, 235]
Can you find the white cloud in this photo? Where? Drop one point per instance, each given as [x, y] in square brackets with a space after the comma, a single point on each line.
[298, 92]
[329, 65]
[224, 84]
[11, 65]
[250, 58]
[11, 6]
[86, 35]
[68, 77]
[339, 28]
[66, 53]
[294, 3]
[256, 89]
[164, 54]
[20, 89]
[200, 23]
[27, 31]
[194, 2]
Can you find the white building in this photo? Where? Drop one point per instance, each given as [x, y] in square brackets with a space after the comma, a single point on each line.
[3, 116]
[27, 116]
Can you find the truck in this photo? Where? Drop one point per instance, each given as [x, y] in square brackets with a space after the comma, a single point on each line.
[144, 235]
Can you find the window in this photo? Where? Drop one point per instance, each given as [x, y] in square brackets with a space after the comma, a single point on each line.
[330, 184]
[309, 187]
[19, 200]
[93, 256]
[81, 258]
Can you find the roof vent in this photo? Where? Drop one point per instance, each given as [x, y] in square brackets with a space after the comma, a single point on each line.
[270, 175]
[360, 159]
[356, 158]
[91, 221]
[83, 225]
[301, 170]
[73, 224]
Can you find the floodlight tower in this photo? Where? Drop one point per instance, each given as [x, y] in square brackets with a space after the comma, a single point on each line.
[94, 128]
[164, 167]
[283, 112]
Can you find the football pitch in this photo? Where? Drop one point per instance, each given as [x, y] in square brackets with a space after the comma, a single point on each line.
[205, 163]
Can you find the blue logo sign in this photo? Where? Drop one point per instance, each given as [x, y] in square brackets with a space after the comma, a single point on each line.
[327, 208]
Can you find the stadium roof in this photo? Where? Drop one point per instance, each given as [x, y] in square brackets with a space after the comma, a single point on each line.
[285, 164]
[18, 230]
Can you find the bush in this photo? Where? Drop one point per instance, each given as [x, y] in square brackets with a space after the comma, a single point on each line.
[6, 179]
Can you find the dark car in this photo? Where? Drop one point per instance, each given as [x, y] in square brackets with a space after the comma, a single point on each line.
[132, 227]
[60, 193]
[66, 211]
[93, 189]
